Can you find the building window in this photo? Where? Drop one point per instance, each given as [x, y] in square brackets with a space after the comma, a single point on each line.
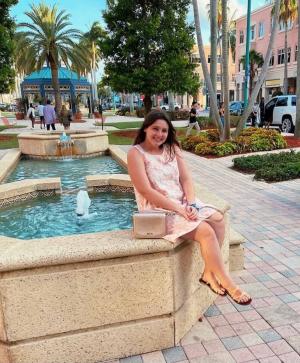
[282, 25]
[261, 30]
[280, 57]
[241, 36]
[252, 32]
[296, 53]
[271, 63]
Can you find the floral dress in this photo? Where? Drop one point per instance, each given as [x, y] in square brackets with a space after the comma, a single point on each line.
[163, 175]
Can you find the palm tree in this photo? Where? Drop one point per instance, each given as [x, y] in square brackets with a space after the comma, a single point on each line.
[287, 13]
[225, 49]
[213, 13]
[49, 40]
[256, 60]
[263, 72]
[90, 43]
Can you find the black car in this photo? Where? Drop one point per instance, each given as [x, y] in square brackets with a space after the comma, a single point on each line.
[236, 108]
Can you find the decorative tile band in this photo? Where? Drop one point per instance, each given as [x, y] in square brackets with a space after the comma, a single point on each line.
[27, 196]
[85, 156]
[112, 188]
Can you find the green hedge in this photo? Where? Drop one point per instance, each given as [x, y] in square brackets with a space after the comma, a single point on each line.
[271, 167]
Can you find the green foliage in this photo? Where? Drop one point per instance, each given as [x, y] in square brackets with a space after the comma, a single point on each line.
[206, 148]
[226, 148]
[212, 135]
[148, 46]
[189, 143]
[279, 172]
[7, 28]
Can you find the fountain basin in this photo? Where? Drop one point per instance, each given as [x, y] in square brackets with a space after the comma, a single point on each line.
[42, 145]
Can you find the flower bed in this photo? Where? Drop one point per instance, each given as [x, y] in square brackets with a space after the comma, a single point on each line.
[270, 167]
[251, 139]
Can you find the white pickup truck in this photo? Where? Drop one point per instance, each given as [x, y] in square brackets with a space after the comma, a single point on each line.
[281, 111]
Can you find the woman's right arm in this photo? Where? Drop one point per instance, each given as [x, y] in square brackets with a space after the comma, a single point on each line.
[139, 178]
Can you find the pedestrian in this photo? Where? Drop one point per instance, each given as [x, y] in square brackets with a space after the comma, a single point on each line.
[65, 117]
[262, 111]
[222, 113]
[255, 115]
[100, 110]
[199, 110]
[41, 114]
[31, 115]
[162, 180]
[193, 119]
[49, 116]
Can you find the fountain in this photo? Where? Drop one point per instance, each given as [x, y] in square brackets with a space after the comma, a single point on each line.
[65, 144]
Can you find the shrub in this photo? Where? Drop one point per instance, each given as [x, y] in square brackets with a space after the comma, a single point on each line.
[279, 172]
[140, 112]
[225, 148]
[190, 142]
[206, 148]
[212, 135]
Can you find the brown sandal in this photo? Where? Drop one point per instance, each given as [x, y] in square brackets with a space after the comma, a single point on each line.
[212, 289]
[238, 299]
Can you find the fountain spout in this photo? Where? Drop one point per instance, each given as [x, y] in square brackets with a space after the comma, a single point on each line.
[65, 144]
[83, 204]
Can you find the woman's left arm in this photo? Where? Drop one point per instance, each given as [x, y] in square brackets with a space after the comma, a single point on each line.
[185, 178]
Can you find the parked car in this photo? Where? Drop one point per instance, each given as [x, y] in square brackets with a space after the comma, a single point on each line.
[166, 107]
[236, 108]
[281, 111]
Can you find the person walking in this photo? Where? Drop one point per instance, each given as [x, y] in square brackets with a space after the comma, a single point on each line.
[193, 119]
[65, 117]
[162, 180]
[31, 115]
[222, 112]
[49, 116]
[41, 115]
[262, 111]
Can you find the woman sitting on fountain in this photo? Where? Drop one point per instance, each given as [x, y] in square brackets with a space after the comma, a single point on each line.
[65, 117]
[161, 180]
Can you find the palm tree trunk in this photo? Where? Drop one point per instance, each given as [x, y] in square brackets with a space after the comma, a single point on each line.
[213, 104]
[225, 46]
[214, 46]
[55, 85]
[147, 103]
[285, 80]
[297, 128]
[263, 72]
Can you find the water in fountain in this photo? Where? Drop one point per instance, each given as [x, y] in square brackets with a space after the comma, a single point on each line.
[65, 143]
[83, 205]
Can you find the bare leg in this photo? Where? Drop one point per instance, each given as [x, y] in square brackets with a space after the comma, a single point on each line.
[214, 265]
[216, 221]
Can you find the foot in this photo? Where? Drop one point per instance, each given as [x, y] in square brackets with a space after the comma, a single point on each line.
[209, 279]
[239, 296]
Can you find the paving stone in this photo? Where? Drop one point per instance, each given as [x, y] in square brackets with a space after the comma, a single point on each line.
[294, 341]
[251, 339]
[242, 355]
[280, 347]
[235, 317]
[233, 343]
[225, 331]
[214, 346]
[287, 298]
[174, 354]
[286, 331]
[261, 351]
[269, 335]
[153, 357]
[200, 332]
[270, 360]
[291, 357]
[212, 311]
[132, 359]
[216, 321]
[279, 315]
[222, 357]
[242, 328]
[194, 350]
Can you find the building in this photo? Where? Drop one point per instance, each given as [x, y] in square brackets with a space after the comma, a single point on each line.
[261, 25]
[203, 95]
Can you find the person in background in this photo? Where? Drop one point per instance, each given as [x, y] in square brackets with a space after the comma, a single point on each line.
[193, 119]
[199, 109]
[262, 111]
[222, 112]
[31, 115]
[41, 114]
[49, 116]
[65, 117]
[162, 180]
[255, 115]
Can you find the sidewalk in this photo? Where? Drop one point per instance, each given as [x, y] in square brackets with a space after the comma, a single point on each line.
[267, 331]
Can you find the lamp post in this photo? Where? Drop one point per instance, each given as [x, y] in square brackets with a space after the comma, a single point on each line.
[247, 70]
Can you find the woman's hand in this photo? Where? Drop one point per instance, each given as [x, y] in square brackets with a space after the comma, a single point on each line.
[191, 212]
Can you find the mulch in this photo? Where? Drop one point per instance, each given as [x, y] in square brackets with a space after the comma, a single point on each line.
[292, 141]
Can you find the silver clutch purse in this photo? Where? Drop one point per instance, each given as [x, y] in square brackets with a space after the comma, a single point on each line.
[150, 224]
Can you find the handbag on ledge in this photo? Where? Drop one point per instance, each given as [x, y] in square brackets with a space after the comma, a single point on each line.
[150, 224]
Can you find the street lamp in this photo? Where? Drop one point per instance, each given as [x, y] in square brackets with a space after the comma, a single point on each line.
[247, 58]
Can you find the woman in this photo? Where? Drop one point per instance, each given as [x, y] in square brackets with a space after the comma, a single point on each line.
[65, 117]
[161, 180]
[31, 114]
[222, 112]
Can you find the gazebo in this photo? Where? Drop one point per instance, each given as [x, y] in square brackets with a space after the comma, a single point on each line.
[72, 87]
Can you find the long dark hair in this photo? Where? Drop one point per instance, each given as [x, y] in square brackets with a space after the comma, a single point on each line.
[171, 140]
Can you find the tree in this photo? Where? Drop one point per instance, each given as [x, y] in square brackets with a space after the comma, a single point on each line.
[287, 13]
[148, 48]
[263, 72]
[7, 28]
[47, 40]
[256, 60]
[213, 13]
[225, 51]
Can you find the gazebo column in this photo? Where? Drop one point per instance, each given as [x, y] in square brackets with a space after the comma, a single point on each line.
[42, 92]
[72, 97]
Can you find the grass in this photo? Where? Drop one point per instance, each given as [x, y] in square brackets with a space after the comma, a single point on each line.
[115, 139]
[10, 141]
[4, 127]
[122, 125]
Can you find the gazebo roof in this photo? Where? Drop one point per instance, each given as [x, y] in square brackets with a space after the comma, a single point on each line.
[63, 74]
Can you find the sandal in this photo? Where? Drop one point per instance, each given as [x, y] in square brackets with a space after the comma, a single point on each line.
[212, 289]
[238, 299]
